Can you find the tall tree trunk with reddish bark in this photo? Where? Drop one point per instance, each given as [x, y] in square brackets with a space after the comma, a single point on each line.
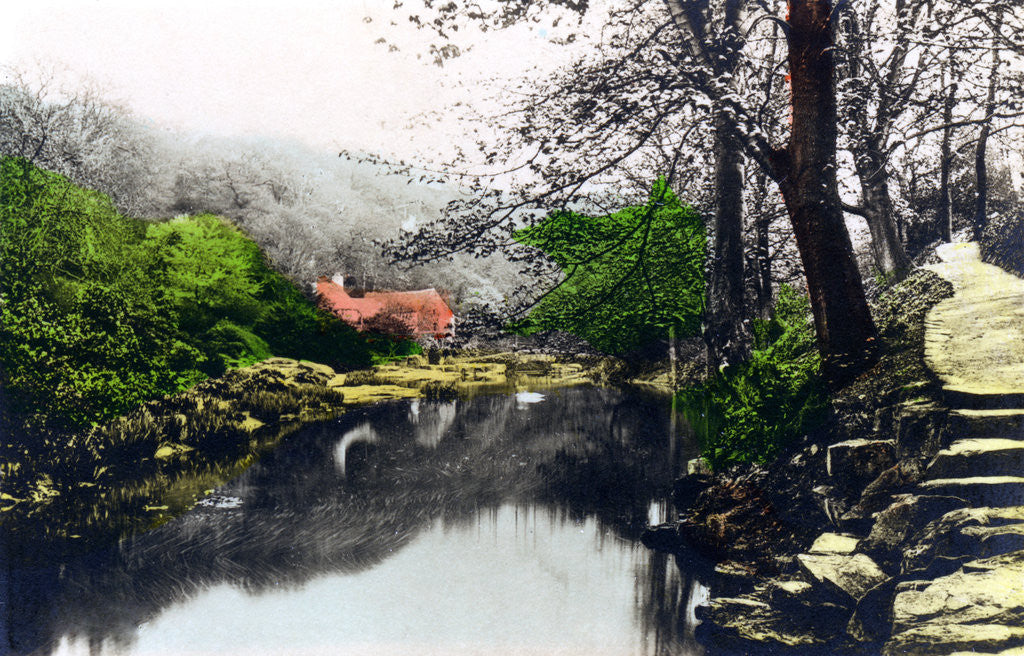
[806, 173]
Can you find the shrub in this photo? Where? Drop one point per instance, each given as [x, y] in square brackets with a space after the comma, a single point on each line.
[750, 411]
[101, 312]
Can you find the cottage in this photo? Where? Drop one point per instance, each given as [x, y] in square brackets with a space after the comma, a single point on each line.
[422, 312]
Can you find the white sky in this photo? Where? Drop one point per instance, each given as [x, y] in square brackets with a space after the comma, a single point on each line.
[305, 70]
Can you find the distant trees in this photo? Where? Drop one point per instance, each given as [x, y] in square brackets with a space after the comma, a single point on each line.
[73, 131]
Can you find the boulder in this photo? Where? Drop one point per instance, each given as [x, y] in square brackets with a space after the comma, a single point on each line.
[750, 625]
[897, 524]
[663, 537]
[967, 534]
[879, 492]
[851, 575]
[977, 609]
[698, 467]
[856, 462]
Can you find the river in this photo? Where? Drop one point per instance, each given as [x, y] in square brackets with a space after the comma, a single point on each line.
[503, 524]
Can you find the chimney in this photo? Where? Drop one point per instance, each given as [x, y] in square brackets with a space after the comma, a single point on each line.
[339, 280]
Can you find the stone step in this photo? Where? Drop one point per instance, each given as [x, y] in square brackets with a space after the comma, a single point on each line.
[983, 398]
[997, 491]
[993, 456]
[1000, 422]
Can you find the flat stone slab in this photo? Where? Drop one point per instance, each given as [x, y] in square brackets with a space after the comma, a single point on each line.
[974, 341]
[994, 456]
[979, 490]
[852, 575]
[834, 543]
[991, 422]
[978, 609]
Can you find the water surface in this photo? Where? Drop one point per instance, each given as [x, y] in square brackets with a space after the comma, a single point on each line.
[502, 524]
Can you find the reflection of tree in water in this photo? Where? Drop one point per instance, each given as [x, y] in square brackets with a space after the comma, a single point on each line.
[589, 452]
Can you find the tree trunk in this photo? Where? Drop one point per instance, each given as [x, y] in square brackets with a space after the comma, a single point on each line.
[762, 247]
[886, 247]
[725, 332]
[725, 328]
[846, 332]
[980, 168]
[944, 216]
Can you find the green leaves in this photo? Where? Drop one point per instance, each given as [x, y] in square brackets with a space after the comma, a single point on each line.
[101, 312]
[749, 412]
[628, 277]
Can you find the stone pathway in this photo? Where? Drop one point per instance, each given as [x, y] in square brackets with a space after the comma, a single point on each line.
[939, 570]
[974, 342]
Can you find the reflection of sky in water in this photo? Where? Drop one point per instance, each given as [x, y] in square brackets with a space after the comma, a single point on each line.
[518, 580]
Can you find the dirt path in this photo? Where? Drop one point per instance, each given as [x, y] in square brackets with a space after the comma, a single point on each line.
[974, 341]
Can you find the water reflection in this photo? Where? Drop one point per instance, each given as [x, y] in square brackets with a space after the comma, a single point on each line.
[464, 527]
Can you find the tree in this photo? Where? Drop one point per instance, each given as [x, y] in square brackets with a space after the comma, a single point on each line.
[629, 279]
[651, 78]
[75, 132]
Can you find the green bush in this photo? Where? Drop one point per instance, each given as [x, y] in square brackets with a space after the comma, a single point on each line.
[750, 411]
[101, 312]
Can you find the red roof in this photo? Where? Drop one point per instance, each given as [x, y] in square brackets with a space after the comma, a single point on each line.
[422, 312]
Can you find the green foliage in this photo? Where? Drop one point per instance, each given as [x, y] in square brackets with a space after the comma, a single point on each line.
[101, 312]
[211, 271]
[629, 277]
[750, 411]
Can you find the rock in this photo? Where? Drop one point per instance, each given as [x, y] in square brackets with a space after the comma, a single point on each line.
[698, 467]
[749, 625]
[168, 451]
[980, 608]
[993, 456]
[663, 537]
[897, 524]
[966, 534]
[852, 575]
[686, 489]
[921, 428]
[858, 461]
[831, 505]
[834, 543]
[872, 619]
[980, 490]
[322, 369]
[732, 577]
[878, 494]
[988, 423]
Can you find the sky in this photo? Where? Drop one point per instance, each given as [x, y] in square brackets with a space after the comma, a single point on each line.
[309, 71]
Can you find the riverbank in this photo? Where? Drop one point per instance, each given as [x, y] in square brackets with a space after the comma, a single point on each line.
[167, 454]
[803, 544]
